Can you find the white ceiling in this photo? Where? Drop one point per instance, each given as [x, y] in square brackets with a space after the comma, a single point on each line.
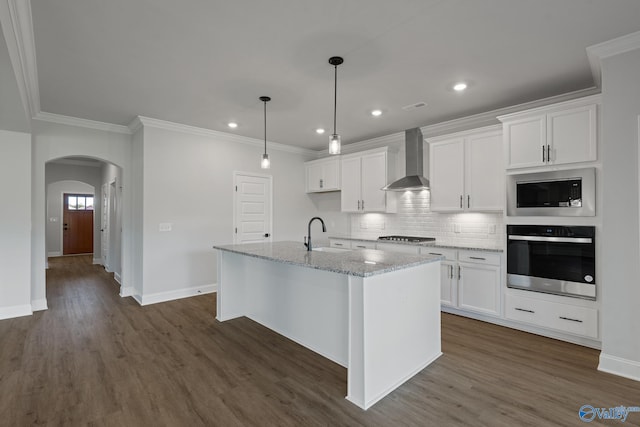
[204, 63]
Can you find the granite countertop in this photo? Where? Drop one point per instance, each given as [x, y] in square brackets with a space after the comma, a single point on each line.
[437, 244]
[361, 263]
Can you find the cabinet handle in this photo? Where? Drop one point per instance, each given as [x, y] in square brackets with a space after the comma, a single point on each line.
[363, 205]
[358, 204]
[570, 319]
[468, 201]
[548, 153]
[543, 159]
[461, 202]
[434, 253]
[337, 244]
[459, 272]
[477, 257]
[451, 272]
[321, 183]
[361, 247]
[524, 309]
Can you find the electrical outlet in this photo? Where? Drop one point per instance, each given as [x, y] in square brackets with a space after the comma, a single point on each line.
[165, 226]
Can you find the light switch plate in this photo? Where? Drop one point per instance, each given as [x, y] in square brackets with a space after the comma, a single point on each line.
[165, 226]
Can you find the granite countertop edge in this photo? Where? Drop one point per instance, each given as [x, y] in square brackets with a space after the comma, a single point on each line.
[435, 244]
[329, 257]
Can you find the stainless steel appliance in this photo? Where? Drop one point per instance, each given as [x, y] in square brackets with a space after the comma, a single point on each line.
[553, 193]
[414, 179]
[552, 259]
[411, 239]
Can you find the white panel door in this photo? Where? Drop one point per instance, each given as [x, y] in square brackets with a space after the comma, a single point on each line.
[351, 182]
[447, 175]
[374, 177]
[484, 180]
[252, 208]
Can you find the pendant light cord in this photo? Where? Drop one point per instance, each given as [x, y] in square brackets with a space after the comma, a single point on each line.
[335, 97]
[265, 127]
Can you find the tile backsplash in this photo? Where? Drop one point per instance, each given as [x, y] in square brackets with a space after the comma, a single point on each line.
[415, 219]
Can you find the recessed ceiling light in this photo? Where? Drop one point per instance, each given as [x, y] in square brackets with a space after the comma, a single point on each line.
[376, 113]
[319, 131]
[459, 87]
[232, 125]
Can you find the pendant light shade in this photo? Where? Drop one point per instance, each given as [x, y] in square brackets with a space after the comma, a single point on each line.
[334, 139]
[266, 163]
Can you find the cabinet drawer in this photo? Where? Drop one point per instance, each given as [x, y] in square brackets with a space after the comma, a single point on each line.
[448, 254]
[336, 243]
[394, 247]
[479, 257]
[362, 245]
[562, 317]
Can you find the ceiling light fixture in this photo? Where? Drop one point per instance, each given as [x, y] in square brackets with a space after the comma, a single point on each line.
[334, 139]
[266, 164]
[319, 131]
[376, 113]
[232, 125]
[459, 87]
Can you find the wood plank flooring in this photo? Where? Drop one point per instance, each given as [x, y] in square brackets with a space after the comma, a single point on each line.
[94, 358]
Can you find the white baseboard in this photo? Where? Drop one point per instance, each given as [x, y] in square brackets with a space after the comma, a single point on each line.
[117, 278]
[39, 304]
[54, 254]
[15, 311]
[176, 294]
[97, 261]
[137, 298]
[619, 366]
[127, 292]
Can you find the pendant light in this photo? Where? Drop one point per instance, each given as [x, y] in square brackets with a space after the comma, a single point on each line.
[334, 139]
[266, 163]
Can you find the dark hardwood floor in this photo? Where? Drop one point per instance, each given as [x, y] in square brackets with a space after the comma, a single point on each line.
[94, 358]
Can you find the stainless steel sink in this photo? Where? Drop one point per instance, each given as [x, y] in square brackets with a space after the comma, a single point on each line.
[331, 250]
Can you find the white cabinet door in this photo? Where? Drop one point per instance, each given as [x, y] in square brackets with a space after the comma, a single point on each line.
[331, 175]
[479, 288]
[571, 135]
[446, 165]
[525, 142]
[484, 177]
[374, 177]
[350, 185]
[448, 284]
[314, 177]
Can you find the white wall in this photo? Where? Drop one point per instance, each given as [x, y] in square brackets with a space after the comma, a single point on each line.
[621, 228]
[55, 194]
[15, 227]
[53, 141]
[56, 172]
[188, 181]
[112, 174]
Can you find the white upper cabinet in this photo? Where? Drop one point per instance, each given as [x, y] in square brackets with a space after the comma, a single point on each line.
[554, 135]
[363, 176]
[466, 171]
[323, 175]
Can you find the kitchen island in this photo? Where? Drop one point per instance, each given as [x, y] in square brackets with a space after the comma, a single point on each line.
[375, 313]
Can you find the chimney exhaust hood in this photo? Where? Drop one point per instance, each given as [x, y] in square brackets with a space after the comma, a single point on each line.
[414, 179]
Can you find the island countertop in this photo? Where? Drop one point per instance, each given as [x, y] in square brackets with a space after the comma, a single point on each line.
[360, 263]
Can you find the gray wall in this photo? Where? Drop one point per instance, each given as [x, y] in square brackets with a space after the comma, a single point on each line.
[621, 233]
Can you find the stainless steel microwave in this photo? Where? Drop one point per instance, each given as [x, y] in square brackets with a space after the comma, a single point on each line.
[553, 193]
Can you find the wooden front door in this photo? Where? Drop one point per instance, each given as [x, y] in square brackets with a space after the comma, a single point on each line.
[77, 234]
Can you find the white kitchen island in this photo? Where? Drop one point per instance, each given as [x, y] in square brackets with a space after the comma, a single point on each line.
[375, 313]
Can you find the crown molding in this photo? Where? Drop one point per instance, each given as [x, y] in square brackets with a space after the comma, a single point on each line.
[598, 52]
[17, 27]
[223, 136]
[84, 123]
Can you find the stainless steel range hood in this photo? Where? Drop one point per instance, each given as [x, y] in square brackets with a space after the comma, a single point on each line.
[414, 179]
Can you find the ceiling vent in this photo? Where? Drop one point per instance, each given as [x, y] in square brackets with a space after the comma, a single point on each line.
[414, 106]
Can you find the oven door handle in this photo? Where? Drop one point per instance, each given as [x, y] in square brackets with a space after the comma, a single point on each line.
[552, 239]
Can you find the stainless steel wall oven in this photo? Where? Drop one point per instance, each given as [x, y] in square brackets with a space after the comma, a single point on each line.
[552, 259]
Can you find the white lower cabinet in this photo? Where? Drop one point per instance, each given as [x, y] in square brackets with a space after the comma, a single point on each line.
[357, 244]
[340, 243]
[448, 274]
[562, 317]
[479, 282]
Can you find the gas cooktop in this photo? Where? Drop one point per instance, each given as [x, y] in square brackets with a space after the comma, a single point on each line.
[412, 239]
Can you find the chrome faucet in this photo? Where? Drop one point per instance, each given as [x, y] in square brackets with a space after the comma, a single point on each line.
[307, 238]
